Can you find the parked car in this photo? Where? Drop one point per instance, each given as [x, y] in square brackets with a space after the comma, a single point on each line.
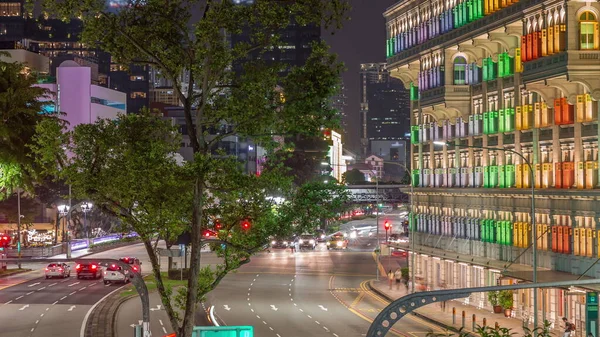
[307, 241]
[58, 269]
[88, 269]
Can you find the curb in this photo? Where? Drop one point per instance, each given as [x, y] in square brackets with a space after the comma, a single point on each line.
[414, 313]
[23, 271]
[104, 316]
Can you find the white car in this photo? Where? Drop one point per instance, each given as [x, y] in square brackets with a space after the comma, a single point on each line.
[57, 269]
[114, 274]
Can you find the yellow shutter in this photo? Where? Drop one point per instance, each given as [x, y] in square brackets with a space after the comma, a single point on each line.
[596, 36]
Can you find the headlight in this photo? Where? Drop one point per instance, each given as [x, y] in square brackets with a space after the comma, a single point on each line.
[273, 242]
[322, 236]
[285, 242]
[353, 235]
[300, 241]
[312, 242]
[328, 243]
[345, 234]
[340, 243]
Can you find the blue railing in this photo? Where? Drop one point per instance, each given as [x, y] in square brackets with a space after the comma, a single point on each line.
[78, 244]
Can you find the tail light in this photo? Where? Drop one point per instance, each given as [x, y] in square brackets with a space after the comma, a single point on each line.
[134, 268]
[46, 269]
[78, 266]
[94, 266]
[60, 269]
[113, 266]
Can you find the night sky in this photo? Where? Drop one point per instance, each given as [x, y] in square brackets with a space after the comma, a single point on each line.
[361, 40]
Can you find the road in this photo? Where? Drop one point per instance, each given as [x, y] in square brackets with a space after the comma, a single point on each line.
[32, 306]
[308, 293]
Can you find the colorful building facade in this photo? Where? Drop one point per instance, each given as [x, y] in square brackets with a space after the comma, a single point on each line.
[504, 98]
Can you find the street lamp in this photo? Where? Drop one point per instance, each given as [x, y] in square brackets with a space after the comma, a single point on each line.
[85, 208]
[63, 210]
[533, 228]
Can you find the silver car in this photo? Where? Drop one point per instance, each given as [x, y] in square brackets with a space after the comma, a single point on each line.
[58, 269]
[115, 274]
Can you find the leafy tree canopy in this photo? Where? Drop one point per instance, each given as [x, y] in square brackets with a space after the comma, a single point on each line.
[353, 177]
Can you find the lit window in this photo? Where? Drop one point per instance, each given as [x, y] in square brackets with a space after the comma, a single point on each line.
[588, 31]
[460, 65]
[10, 9]
[136, 78]
[138, 94]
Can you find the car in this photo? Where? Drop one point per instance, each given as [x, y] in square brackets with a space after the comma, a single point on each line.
[58, 269]
[397, 238]
[337, 241]
[88, 269]
[281, 243]
[115, 274]
[320, 235]
[399, 252]
[134, 262]
[307, 241]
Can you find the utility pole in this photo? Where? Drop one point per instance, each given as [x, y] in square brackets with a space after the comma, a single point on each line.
[19, 225]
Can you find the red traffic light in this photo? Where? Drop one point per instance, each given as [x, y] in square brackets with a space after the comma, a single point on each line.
[245, 225]
[208, 233]
[5, 241]
[218, 225]
[387, 225]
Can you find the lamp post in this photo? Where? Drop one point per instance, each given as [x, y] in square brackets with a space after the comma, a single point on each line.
[378, 250]
[533, 226]
[63, 210]
[19, 216]
[85, 208]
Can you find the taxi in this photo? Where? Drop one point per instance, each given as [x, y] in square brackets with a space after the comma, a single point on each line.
[337, 241]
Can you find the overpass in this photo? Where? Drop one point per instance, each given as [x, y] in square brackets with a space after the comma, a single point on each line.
[367, 194]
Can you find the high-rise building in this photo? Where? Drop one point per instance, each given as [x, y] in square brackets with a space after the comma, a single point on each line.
[340, 104]
[384, 106]
[504, 104]
[59, 40]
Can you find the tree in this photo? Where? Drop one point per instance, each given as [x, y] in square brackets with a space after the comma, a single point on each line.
[256, 103]
[30, 208]
[354, 177]
[20, 112]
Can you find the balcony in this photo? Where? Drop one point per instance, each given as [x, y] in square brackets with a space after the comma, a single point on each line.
[560, 64]
[445, 94]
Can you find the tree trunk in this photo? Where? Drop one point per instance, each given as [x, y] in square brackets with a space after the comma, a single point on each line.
[165, 299]
[194, 271]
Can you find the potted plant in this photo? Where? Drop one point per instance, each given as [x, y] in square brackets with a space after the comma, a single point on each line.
[495, 301]
[505, 299]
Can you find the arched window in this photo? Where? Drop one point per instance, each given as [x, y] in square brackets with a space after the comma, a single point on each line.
[588, 31]
[460, 70]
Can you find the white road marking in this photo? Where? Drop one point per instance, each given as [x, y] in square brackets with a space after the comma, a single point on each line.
[274, 307]
[249, 289]
[326, 328]
[248, 304]
[254, 280]
[278, 335]
[164, 330]
[36, 322]
[301, 310]
[42, 288]
[71, 308]
[317, 322]
[322, 308]
[248, 298]
[157, 308]
[295, 304]
[47, 309]
[32, 329]
[336, 335]
[251, 284]
[309, 316]
[226, 307]
[53, 284]
[265, 323]
[271, 328]
[19, 297]
[257, 316]
[72, 293]
[24, 307]
[8, 302]
[160, 321]
[72, 284]
[62, 298]
[42, 315]
[82, 288]
[252, 310]
[53, 304]
[257, 275]
[34, 284]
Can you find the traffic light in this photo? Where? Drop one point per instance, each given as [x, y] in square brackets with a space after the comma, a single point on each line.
[208, 233]
[218, 225]
[246, 225]
[387, 225]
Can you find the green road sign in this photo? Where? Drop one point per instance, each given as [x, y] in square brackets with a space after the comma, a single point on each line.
[223, 331]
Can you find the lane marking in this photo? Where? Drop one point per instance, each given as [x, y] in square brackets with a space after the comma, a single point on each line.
[301, 310]
[36, 322]
[47, 309]
[8, 302]
[318, 322]
[164, 330]
[29, 293]
[34, 284]
[62, 298]
[53, 303]
[24, 307]
[18, 298]
[309, 316]
[160, 321]
[42, 288]
[71, 308]
[82, 288]
[53, 284]
[257, 316]
[32, 329]
[271, 328]
[265, 323]
[72, 293]
[72, 284]
[252, 310]
[42, 315]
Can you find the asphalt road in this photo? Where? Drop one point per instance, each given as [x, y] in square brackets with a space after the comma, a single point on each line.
[308, 293]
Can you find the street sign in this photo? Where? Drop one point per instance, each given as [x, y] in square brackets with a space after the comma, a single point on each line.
[223, 331]
[591, 306]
